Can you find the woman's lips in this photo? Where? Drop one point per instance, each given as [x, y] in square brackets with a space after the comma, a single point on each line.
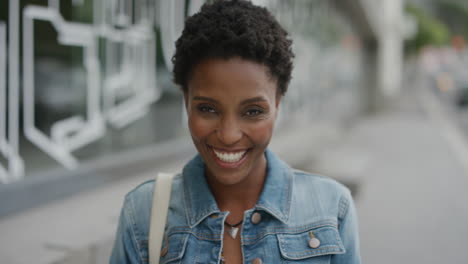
[229, 159]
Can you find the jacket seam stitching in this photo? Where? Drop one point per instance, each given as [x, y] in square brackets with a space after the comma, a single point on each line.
[133, 231]
[343, 208]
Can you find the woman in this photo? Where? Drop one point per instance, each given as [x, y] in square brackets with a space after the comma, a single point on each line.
[236, 202]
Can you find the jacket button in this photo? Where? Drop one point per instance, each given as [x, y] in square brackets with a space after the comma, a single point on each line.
[164, 252]
[314, 243]
[256, 218]
[257, 261]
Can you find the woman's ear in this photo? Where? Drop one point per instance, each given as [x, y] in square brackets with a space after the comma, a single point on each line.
[185, 100]
[278, 99]
[277, 103]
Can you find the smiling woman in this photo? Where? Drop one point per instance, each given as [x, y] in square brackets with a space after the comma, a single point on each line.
[236, 202]
[232, 106]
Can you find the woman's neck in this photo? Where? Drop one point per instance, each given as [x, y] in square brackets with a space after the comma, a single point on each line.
[240, 196]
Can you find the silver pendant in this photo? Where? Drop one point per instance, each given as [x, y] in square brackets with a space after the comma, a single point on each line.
[233, 232]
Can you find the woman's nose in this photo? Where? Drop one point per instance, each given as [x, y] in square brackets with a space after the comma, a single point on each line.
[229, 132]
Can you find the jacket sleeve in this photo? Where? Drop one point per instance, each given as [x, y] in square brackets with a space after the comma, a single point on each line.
[126, 247]
[348, 228]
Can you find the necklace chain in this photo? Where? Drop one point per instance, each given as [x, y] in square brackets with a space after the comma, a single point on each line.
[233, 229]
[235, 225]
[233, 235]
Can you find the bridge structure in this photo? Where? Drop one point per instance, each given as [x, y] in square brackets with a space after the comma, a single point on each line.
[382, 27]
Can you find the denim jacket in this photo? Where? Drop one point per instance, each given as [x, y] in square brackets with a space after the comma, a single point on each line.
[293, 208]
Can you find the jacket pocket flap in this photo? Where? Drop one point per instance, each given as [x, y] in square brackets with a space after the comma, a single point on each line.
[295, 246]
[173, 248]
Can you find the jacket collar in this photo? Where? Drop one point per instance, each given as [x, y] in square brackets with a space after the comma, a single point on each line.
[277, 190]
[199, 201]
[275, 198]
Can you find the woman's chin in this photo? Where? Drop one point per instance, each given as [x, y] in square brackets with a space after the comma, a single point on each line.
[229, 178]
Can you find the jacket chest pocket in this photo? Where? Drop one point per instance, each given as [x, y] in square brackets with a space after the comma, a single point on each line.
[173, 248]
[315, 245]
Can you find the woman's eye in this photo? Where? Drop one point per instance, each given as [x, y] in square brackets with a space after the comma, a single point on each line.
[206, 109]
[253, 112]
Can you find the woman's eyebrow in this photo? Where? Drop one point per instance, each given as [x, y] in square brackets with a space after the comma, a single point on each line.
[254, 100]
[203, 98]
[246, 101]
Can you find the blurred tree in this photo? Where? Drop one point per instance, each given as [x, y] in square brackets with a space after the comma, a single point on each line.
[431, 31]
[455, 15]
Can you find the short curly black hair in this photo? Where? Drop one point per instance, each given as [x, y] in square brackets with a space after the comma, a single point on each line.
[236, 28]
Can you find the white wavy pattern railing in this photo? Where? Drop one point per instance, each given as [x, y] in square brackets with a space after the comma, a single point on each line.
[130, 68]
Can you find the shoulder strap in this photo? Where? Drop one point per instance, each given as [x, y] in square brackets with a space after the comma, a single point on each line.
[161, 197]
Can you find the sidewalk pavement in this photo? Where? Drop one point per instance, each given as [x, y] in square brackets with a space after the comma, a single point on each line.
[75, 230]
[410, 187]
[413, 198]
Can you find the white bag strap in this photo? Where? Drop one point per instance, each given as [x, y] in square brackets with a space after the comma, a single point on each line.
[161, 197]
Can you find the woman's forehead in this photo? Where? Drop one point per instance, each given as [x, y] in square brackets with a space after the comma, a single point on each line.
[231, 75]
[220, 66]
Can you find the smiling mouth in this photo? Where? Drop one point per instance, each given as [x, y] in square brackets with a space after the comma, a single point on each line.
[229, 157]
[232, 159]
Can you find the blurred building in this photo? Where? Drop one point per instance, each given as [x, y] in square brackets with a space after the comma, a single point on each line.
[83, 82]
[86, 96]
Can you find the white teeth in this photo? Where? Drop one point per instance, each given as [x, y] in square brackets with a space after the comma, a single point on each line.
[229, 157]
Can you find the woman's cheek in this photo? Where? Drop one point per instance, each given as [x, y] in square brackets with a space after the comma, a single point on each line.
[261, 132]
[200, 127]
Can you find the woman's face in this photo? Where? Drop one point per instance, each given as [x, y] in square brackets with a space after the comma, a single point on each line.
[232, 107]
